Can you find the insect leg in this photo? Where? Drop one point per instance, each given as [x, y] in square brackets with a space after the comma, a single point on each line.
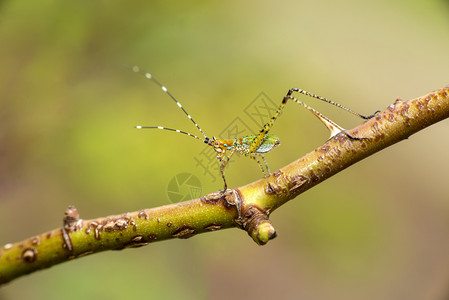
[222, 167]
[266, 164]
[254, 157]
[258, 140]
[290, 92]
[333, 127]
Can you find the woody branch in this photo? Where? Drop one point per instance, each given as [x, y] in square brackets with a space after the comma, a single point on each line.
[247, 207]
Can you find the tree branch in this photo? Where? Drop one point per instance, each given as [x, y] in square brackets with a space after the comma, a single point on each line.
[246, 207]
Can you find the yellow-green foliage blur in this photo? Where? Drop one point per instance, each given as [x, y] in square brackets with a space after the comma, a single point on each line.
[68, 107]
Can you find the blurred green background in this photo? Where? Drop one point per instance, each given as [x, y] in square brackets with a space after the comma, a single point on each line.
[378, 230]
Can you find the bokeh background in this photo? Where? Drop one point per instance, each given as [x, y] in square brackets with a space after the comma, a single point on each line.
[378, 230]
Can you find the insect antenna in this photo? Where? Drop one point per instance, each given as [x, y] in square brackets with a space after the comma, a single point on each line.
[149, 76]
[206, 140]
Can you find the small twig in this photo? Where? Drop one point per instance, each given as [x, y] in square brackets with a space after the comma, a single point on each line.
[246, 207]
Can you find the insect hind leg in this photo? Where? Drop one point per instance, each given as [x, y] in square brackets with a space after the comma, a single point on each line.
[292, 90]
[266, 164]
[266, 171]
[333, 127]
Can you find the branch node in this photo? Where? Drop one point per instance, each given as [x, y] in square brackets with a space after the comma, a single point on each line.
[229, 198]
[71, 222]
[257, 224]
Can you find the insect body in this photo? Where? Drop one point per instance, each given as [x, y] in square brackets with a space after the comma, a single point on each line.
[252, 146]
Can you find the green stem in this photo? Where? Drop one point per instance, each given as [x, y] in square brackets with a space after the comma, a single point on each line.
[246, 207]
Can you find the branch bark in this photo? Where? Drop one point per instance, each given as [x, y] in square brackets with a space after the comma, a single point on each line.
[247, 207]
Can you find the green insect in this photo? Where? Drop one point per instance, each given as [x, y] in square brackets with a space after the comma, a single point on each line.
[253, 146]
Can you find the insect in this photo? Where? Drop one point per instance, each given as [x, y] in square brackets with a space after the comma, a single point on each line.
[253, 146]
